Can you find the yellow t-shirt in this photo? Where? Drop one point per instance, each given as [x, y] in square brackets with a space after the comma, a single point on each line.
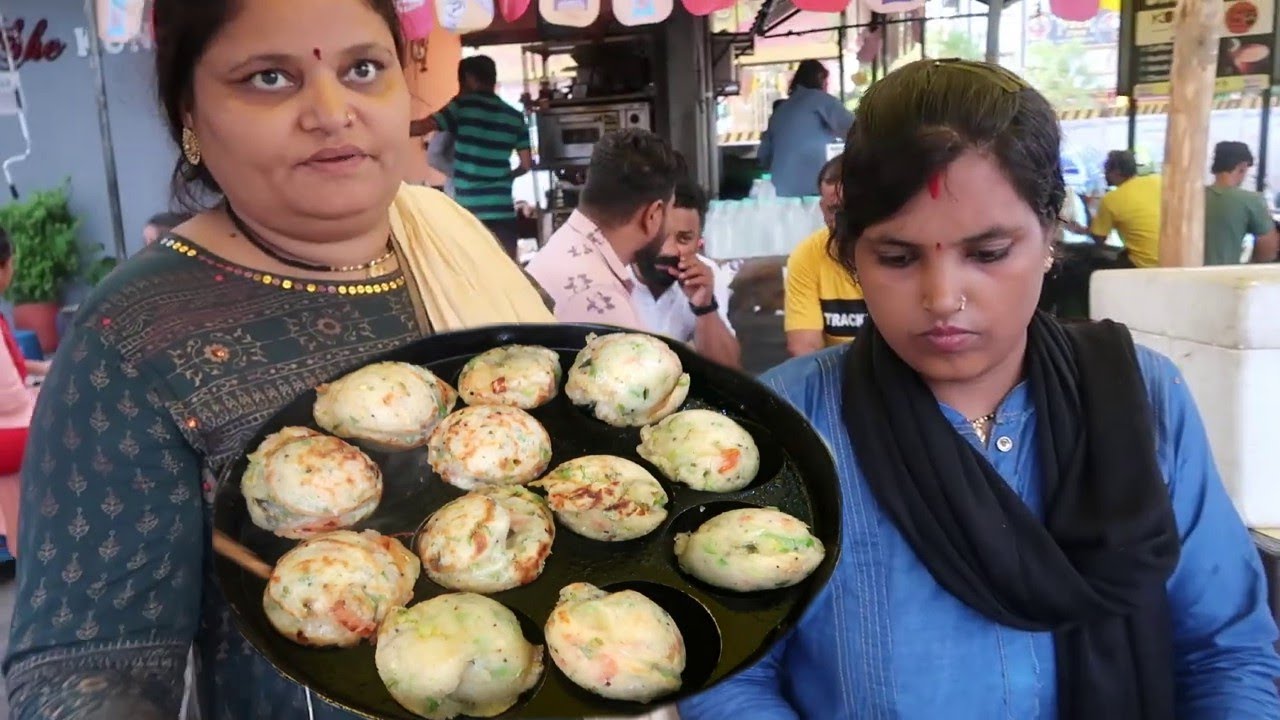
[1133, 210]
[821, 295]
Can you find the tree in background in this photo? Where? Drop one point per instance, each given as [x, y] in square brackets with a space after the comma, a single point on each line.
[1060, 71]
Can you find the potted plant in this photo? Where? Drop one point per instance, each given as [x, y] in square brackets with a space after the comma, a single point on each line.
[43, 232]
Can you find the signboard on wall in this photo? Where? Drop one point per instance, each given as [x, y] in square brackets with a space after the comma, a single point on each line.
[1246, 50]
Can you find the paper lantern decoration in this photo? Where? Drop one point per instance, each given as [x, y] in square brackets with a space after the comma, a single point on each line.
[415, 18]
[700, 8]
[641, 12]
[569, 13]
[464, 16]
[889, 7]
[823, 6]
[1074, 10]
[512, 10]
[120, 21]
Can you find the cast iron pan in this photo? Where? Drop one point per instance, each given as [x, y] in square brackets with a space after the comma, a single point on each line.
[723, 631]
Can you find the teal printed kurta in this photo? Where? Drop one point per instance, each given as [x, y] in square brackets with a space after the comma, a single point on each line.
[168, 371]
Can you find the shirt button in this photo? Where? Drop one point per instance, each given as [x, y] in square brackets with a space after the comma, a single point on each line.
[1004, 443]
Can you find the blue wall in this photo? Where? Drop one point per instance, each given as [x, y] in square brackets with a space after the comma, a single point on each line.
[63, 116]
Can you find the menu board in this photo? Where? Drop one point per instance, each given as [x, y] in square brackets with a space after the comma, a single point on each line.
[1246, 50]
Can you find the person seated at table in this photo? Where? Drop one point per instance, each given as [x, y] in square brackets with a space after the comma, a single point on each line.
[314, 259]
[1033, 523]
[824, 304]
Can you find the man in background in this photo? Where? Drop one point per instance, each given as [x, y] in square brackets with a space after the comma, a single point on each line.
[824, 306]
[1230, 212]
[440, 158]
[679, 294]
[160, 225]
[485, 130]
[621, 217]
[1132, 209]
[794, 147]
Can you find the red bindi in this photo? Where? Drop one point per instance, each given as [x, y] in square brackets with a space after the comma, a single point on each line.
[935, 185]
[316, 52]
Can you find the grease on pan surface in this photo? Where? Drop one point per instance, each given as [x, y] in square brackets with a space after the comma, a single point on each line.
[456, 654]
[487, 541]
[627, 379]
[605, 497]
[750, 549]
[523, 376]
[702, 449]
[334, 589]
[300, 483]
[620, 645]
[489, 444]
[392, 404]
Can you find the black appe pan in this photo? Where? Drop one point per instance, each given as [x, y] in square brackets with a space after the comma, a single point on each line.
[724, 631]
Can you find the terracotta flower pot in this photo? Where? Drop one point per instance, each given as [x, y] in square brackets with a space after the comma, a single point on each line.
[40, 318]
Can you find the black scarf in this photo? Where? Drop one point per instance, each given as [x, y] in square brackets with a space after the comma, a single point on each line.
[1094, 571]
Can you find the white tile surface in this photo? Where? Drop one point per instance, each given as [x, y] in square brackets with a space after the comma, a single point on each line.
[1221, 327]
[1231, 306]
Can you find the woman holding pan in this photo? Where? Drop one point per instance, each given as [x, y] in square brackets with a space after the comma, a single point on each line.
[1034, 526]
[311, 258]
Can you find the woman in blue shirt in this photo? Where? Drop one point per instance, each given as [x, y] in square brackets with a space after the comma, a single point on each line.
[795, 146]
[1034, 526]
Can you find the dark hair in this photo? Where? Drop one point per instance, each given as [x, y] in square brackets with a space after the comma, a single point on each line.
[6, 247]
[691, 196]
[1228, 155]
[480, 68]
[168, 220]
[810, 74]
[831, 170]
[629, 169]
[1122, 163]
[921, 117]
[183, 29]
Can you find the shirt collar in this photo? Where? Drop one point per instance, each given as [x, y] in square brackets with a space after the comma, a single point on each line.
[583, 226]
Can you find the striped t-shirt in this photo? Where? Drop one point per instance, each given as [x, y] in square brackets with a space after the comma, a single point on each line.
[485, 130]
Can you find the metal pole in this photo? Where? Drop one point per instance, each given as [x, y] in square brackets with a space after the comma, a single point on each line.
[993, 30]
[1262, 139]
[104, 126]
[840, 39]
[1132, 114]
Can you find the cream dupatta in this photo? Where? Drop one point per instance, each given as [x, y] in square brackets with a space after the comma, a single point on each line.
[462, 276]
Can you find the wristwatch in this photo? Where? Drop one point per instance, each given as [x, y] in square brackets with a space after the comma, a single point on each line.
[705, 309]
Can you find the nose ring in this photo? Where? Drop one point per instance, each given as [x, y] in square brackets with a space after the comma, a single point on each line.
[351, 119]
[963, 301]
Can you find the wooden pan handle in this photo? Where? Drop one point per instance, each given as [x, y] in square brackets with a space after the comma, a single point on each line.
[240, 555]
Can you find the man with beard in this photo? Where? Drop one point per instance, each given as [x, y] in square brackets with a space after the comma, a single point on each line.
[679, 295]
[622, 213]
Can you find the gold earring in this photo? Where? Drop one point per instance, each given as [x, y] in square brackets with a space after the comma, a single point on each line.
[190, 147]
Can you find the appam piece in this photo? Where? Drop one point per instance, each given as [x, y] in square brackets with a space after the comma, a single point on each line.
[750, 549]
[489, 540]
[300, 483]
[489, 444]
[604, 497]
[456, 654]
[627, 379]
[391, 404]
[523, 376]
[702, 449]
[621, 645]
[335, 589]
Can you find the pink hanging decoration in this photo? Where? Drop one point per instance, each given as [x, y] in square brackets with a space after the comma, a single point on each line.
[416, 18]
[120, 21]
[889, 7]
[512, 10]
[1074, 10]
[822, 6]
[706, 7]
[641, 12]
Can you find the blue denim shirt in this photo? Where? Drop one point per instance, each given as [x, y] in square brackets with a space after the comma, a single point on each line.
[884, 640]
[795, 146]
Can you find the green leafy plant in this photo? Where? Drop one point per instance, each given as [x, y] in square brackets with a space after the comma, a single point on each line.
[43, 232]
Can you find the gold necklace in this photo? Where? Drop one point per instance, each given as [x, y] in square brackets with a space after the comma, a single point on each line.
[982, 426]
